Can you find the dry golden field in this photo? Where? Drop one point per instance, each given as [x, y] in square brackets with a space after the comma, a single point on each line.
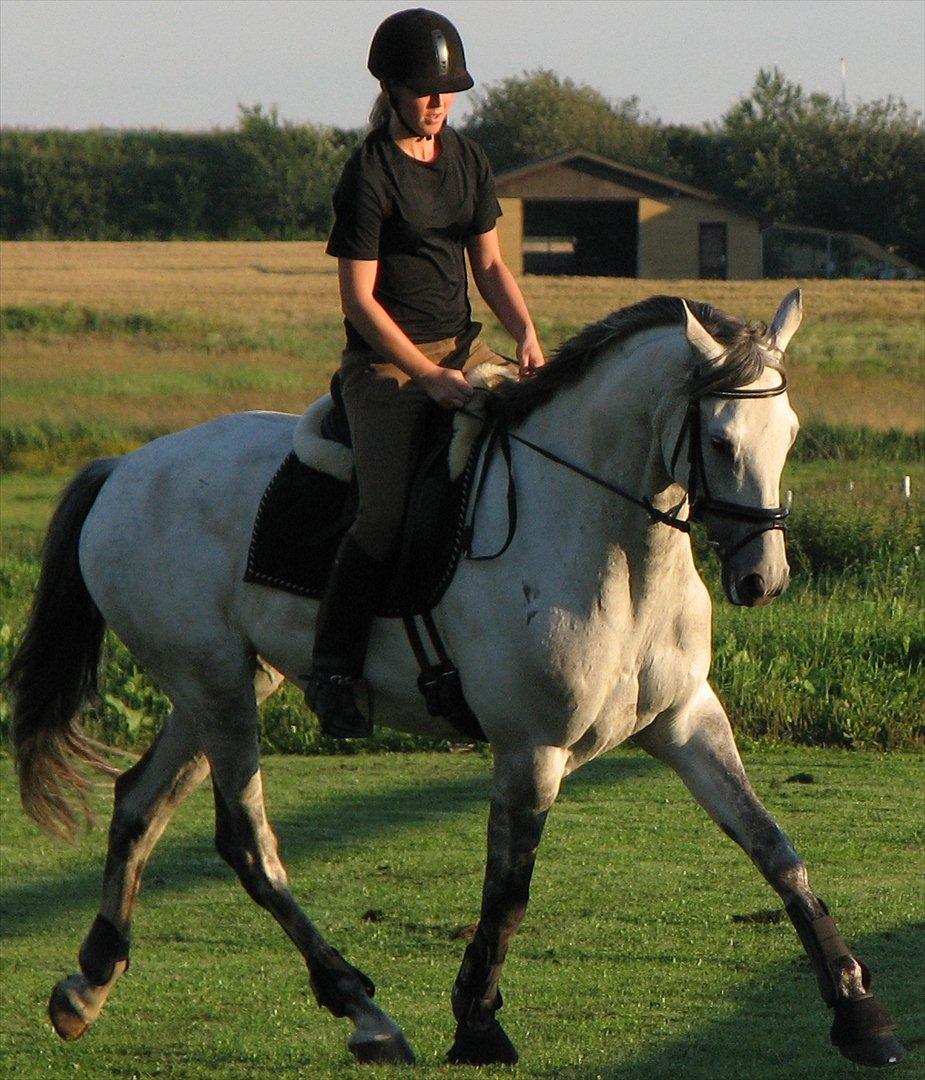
[276, 281]
[254, 282]
[257, 325]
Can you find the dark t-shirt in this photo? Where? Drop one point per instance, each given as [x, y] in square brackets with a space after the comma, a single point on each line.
[415, 217]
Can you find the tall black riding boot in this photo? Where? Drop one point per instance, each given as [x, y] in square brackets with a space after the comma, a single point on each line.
[345, 619]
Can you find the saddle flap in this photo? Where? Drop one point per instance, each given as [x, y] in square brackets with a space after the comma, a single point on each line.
[310, 503]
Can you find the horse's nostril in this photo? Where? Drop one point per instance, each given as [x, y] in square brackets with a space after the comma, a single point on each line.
[751, 588]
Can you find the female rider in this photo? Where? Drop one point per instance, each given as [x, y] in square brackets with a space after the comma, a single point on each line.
[414, 199]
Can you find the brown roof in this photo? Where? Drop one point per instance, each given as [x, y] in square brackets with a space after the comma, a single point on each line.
[626, 176]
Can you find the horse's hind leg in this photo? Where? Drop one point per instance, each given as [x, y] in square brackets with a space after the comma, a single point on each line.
[246, 841]
[146, 797]
[700, 747]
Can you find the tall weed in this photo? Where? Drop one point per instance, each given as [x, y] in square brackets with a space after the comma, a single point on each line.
[43, 319]
[192, 331]
[41, 447]
[846, 442]
[838, 660]
[842, 665]
[830, 535]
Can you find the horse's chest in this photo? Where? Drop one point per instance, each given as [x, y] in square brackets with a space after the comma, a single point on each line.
[665, 677]
[616, 678]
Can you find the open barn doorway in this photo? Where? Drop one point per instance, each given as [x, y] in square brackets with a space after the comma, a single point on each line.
[581, 237]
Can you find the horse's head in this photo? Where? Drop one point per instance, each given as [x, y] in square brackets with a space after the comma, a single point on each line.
[738, 434]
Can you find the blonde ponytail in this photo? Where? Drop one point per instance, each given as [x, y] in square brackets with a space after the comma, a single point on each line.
[380, 115]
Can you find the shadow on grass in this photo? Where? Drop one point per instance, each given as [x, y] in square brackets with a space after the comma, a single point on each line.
[754, 1044]
[346, 820]
[777, 1029]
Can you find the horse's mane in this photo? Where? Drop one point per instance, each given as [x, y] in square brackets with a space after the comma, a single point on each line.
[745, 357]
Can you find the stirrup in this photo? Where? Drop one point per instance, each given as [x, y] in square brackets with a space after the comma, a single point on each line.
[330, 697]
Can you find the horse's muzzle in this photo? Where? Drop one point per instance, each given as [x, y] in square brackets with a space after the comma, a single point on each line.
[753, 588]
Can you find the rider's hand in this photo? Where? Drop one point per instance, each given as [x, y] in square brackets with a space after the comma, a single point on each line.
[446, 386]
[530, 356]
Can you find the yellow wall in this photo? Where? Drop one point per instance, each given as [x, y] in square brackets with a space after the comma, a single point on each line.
[669, 237]
[511, 234]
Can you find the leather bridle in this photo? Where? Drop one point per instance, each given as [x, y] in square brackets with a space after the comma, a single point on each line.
[698, 497]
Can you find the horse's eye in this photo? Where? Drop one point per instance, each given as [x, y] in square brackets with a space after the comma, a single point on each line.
[721, 446]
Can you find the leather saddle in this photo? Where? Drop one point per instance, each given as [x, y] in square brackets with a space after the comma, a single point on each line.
[305, 511]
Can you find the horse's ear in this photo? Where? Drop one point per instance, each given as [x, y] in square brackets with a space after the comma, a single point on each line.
[709, 348]
[787, 320]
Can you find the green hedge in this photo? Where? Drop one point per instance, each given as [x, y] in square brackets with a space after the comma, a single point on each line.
[267, 180]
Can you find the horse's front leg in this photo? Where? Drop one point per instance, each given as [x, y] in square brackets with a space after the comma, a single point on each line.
[525, 786]
[700, 747]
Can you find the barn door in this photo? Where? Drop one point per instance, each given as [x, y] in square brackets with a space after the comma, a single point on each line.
[713, 249]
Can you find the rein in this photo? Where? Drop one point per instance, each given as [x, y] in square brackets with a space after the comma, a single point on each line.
[768, 518]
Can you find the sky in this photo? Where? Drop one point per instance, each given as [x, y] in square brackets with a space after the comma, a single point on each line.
[188, 64]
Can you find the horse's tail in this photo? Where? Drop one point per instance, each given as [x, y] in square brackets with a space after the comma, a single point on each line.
[54, 669]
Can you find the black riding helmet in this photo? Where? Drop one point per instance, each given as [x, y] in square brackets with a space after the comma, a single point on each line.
[422, 50]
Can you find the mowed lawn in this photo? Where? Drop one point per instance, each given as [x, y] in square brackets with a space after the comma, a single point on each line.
[652, 948]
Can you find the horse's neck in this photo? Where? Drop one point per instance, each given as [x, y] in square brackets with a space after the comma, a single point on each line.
[608, 423]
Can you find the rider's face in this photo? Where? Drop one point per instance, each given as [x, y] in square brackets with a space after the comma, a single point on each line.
[427, 114]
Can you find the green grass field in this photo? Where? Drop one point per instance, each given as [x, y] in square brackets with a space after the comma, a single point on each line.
[108, 345]
[648, 951]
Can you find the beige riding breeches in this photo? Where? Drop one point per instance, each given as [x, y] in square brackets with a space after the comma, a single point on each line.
[386, 411]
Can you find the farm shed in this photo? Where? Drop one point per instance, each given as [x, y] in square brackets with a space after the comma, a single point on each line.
[579, 213]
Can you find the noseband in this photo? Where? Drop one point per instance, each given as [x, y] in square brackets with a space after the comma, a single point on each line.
[699, 498]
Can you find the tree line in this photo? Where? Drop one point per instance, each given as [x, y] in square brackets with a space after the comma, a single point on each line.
[787, 155]
[267, 179]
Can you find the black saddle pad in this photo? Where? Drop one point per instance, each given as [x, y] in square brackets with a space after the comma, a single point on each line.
[304, 514]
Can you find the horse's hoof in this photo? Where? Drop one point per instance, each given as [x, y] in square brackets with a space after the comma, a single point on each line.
[65, 1019]
[482, 1046]
[387, 1050]
[876, 1051]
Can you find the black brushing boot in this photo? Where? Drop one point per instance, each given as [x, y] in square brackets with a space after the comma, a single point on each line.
[342, 632]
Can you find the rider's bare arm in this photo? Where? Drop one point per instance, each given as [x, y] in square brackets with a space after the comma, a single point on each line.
[357, 278]
[501, 292]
